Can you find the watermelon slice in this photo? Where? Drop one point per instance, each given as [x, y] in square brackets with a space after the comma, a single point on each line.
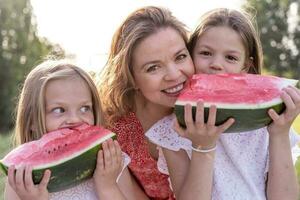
[70, 154]
[245, 97]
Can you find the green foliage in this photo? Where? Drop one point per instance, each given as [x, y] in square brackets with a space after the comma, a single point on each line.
[5, 146]
[279, 33]
[20, 50]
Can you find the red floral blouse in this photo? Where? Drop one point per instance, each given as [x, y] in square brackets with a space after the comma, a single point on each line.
[132, 141]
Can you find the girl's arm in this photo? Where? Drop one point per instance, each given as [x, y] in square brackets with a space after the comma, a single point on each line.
[194, 178]
[9, 193]
[190, 178]
[200, 177]
[109, 165]
[178, 164]
[282, 179]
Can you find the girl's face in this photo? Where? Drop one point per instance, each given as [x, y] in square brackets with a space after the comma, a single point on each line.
[219, 50]
[68, 103]
[161, 66]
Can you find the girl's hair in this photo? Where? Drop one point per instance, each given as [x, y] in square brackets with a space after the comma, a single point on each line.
[30, 123]
[239, 22]
[116, 82]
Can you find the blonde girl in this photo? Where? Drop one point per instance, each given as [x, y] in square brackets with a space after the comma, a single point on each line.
[58, 94]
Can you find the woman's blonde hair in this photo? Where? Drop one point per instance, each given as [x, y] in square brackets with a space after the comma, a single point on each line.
[240, 22]
[116, 82]
[30, 122]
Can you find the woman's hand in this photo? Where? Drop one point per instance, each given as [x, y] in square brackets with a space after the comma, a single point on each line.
[203, 135]
[21, 182]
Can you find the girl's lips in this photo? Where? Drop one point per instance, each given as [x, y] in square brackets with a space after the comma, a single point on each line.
[73, 126]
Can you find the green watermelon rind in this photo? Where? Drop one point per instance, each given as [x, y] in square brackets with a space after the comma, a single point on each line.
[70, 171]
[247, 116]
[245, 119]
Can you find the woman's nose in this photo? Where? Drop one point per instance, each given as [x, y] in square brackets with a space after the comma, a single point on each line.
[172, 73]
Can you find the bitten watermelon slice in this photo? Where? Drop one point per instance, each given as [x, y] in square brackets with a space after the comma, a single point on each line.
[245, 97]
[70, 154]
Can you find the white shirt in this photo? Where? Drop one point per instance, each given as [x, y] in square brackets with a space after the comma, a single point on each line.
[241, 161]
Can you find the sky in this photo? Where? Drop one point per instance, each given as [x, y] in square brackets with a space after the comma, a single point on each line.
[85, 27]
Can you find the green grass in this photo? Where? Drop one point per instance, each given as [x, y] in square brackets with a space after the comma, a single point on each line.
[296, 124]
[5, 146]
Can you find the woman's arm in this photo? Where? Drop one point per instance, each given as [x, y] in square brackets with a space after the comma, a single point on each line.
[130, 188]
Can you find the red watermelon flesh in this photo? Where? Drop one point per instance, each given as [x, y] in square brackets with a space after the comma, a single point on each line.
[55, 146]
[233, 89]
[244, 97]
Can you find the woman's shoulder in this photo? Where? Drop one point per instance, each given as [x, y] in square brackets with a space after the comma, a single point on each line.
[126, 123]
[128, 129]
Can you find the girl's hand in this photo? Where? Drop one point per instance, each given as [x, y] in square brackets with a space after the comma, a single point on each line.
[282, 123]
[203, 135]
[109, 166]
[21, 182]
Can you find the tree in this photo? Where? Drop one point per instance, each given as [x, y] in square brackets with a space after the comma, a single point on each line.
[280, 37]
[20, 50]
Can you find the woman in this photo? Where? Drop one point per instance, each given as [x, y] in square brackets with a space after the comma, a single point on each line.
[147, 68]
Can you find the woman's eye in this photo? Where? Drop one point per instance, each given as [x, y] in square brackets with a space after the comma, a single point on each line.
[152, 68]
[58, 110]
[181, 57]
[85, 108]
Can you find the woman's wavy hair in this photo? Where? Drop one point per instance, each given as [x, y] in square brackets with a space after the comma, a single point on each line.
[116, 82]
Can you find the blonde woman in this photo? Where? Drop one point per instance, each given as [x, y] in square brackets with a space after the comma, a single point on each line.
[147, 68]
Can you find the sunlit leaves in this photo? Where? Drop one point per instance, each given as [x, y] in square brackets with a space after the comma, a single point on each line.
[20, 50]
[279, 26]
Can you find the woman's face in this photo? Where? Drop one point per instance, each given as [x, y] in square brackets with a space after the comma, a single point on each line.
[161, 65]
[219, 50]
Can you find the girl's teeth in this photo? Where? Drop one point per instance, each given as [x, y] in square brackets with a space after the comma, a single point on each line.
[174, 89]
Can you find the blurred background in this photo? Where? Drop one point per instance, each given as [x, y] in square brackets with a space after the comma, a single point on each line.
[31, 31]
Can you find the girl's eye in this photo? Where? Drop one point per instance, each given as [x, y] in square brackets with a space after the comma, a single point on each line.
[85, 109]
[152, 68]
[58, 110]
[181, 57]
[232, 58]
[205, 53]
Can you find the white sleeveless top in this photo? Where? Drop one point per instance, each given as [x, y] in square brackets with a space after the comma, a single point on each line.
[241, 159]
[85, 190]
